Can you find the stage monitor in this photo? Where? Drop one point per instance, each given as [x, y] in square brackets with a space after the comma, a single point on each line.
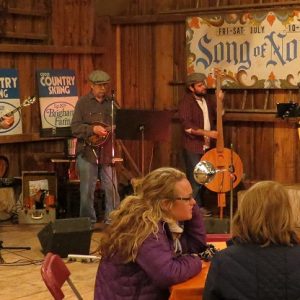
[66, 236]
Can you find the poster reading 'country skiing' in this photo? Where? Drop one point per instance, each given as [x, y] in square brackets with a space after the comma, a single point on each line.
[9, 100]
[58, 96]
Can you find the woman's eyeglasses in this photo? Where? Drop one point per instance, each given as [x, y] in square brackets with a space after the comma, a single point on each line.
[189, 198]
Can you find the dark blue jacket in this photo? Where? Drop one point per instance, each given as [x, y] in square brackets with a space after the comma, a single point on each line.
[248, 272]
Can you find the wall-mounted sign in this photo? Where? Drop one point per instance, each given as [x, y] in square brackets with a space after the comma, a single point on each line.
[58, 96]
[256, 50]
[9, 100]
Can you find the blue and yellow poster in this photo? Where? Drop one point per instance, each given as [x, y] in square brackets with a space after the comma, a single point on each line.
[58, 96]
[10, 100]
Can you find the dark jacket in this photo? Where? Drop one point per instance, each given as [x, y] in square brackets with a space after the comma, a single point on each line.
[156, 267]
[246, 272]
[191, 116]
[88, 112]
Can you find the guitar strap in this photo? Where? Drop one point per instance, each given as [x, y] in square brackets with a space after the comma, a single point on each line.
[96, 156]
[97, 151]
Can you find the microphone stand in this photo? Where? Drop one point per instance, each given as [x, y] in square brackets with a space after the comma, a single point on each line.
[113, 158]
[231, 171]
[142, 130]
[113, 147]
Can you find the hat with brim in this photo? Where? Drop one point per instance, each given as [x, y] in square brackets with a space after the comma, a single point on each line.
[195, 78]
[99, 77]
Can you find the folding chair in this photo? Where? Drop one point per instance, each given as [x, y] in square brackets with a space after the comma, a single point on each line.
[55, 273]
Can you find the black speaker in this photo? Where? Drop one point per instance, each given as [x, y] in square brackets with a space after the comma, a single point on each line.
[66, 236]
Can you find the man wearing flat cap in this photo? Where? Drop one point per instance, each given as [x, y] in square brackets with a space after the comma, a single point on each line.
[91, 124]
[197, 115]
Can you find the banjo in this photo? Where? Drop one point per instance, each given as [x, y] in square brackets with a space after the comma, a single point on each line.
[96, 140]
[28, 101]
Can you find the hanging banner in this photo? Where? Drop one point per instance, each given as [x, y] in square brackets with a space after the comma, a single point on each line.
[58, 96]
[255, 50]
[9, 100]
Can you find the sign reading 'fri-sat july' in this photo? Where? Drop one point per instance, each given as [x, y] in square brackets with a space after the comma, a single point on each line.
[58, 96]
[259, 49]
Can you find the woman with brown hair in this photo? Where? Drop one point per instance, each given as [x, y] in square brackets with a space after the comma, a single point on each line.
[152, 241]
[264, 260]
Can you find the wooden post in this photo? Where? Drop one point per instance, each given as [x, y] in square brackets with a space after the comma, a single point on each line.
[118, 66]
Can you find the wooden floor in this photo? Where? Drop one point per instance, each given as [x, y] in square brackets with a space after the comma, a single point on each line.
[25, 281]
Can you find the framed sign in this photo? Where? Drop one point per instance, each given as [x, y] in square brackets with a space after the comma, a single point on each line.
[58, 96]
[255, 50]
[9, 100]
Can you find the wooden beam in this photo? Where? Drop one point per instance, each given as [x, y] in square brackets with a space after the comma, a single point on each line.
[180, 15]
[250, 117]
[49, 49]
[256, 116]
[147, 19]
[26, 137]
[25, 36]
[26, 12]
[213, 9]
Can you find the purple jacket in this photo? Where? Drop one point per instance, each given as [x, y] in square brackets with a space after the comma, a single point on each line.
[156, 267]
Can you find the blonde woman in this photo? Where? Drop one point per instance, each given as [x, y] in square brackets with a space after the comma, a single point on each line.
[264, 260]
[152, 240]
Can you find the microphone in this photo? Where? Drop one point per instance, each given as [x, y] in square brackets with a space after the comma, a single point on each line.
[112, 94]
[112, 97]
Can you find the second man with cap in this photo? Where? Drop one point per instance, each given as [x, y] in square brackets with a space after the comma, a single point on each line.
[198, 116]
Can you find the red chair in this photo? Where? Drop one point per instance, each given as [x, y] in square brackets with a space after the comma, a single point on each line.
[55, 273]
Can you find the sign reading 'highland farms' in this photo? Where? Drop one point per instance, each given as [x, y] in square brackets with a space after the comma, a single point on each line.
[58, 96]
[254, 49]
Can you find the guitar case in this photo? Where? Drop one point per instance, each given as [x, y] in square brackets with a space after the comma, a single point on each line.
[7, 197]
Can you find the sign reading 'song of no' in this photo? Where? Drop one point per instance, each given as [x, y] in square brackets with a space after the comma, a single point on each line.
[58, 96]
[256, 50]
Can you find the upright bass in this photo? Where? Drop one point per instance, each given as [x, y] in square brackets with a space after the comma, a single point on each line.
[223, 159]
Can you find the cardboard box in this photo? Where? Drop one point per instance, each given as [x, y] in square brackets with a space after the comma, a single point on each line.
[39, 193]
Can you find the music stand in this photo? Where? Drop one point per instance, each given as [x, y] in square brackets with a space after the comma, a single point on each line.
[143, 125]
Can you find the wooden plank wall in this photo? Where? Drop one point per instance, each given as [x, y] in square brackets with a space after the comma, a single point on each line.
[153, 55]
[144, 56]
[46, 34]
